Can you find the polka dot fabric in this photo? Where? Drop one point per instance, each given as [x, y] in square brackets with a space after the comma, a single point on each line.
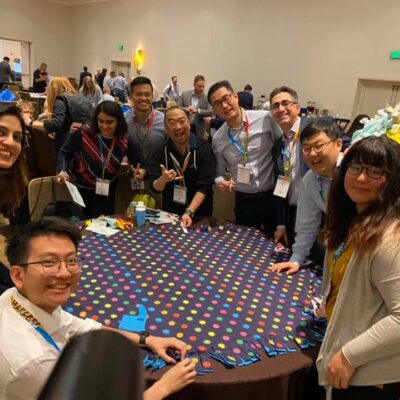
[209, 287]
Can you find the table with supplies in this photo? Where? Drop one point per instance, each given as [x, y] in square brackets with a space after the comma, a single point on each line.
[249, 330]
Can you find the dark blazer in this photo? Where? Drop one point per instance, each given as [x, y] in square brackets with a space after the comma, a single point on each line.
[245, 100]
[282, 205]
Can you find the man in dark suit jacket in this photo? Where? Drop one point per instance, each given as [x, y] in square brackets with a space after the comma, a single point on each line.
[83, 75]
[246, 98]
[288, 156]
[196, 104]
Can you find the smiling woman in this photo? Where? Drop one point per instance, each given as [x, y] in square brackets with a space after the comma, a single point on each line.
[91, 157]
[360, 353]
[13, 176]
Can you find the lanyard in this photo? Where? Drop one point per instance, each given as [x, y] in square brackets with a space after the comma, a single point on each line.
[104, 165]
[178, 168]
[287, 155]
[337, 254]
[28, 316]
[141, 140]
[245, 148]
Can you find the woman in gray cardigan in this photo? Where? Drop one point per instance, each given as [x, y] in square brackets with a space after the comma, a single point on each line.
[360, 355]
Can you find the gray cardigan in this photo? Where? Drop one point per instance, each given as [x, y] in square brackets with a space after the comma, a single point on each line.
[365, 322]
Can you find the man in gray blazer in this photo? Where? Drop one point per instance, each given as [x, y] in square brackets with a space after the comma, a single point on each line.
[196, 104]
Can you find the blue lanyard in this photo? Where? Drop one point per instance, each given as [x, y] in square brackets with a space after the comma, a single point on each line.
[46, 337]
[235, 142]
[104, 164]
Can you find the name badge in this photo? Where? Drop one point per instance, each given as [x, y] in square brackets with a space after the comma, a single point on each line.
[137, 184]
[102, 187]
[282, 186]
[244, 172]
[179, 194]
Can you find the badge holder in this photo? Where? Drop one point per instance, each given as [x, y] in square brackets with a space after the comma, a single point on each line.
[102, 187]
[244, 174]
[282, 186]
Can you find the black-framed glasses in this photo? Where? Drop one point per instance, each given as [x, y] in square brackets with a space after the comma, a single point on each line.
[51, 266]
[319, 148]
[284, 104]
[372, 172]
[225, 99]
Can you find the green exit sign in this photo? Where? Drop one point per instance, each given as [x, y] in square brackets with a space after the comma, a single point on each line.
[120, 47]
[395, 55]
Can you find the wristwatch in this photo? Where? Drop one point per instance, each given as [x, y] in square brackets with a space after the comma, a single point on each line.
[142, 338]
[190, 212]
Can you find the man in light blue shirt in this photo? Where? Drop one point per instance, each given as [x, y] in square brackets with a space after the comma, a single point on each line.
[321, 145]
[244, 144]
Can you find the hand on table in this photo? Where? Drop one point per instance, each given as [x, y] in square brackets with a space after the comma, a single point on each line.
[175, 379]
[280, 235]
[186, 220]
[287, 266]
[339, 371]
[160, 345]
[226, 186]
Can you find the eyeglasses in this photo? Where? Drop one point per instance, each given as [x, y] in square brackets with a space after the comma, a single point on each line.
[319, 148]
[372, 172]
[225, 99]
[284, 104]
[52, 266]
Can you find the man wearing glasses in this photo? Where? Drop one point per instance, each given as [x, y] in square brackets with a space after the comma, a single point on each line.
[321, 145]
[45, 270]
[289, 163]
[244, 144]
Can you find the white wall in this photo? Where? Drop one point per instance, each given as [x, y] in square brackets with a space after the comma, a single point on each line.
[319, 48]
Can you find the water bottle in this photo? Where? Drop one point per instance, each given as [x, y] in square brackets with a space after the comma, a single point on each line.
[131, 211]
[140, 214]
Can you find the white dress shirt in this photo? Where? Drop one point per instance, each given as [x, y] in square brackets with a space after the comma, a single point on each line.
[26, 358]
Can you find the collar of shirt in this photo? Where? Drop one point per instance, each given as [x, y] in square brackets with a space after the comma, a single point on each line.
[50, 322]
[147, 119]
[292, 132]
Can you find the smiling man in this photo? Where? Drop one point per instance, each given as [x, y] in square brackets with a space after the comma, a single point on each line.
[145, 126]
[321, 150]
[244, 144]
[45, 269]
[289, 162]
[184, 170]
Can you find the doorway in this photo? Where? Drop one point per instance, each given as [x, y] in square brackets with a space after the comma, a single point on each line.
[19, 53]
[373, 95]
[122, 66]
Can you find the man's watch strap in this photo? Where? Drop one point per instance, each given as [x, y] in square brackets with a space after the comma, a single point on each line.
[190, 212]
[142, 338]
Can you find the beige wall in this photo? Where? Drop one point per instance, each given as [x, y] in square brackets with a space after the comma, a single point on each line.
[44, 24]
[319, 48]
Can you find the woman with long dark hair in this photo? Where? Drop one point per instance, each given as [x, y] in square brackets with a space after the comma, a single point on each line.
[13, 177]
[91, 157]
[360, 355]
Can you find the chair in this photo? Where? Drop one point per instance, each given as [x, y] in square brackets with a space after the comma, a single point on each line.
[42, 191]
[43, 153]
[343, 123]
[25, 96]
[6, 104]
